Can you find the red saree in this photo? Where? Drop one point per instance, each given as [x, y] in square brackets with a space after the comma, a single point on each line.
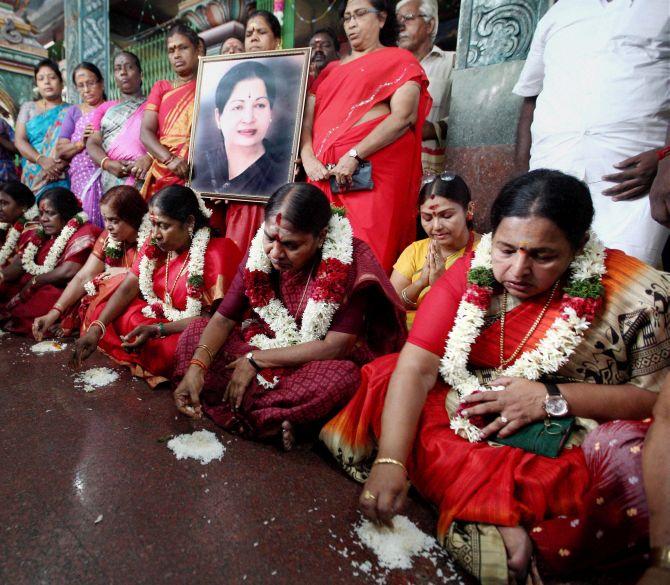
[155, 359]
[305, 395]
[385, 217]
[38, 301]
[174, 106]
[106, 282]
[580, 509]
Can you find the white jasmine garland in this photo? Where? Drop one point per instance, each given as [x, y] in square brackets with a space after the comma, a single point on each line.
[56, 250]
[196, 265]
[11, 240]
[551, 353]
[318, 315]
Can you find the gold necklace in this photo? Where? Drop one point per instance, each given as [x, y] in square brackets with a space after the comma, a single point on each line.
[504, 362]
[167, 298]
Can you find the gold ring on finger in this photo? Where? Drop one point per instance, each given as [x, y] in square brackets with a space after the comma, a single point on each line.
[368, 495]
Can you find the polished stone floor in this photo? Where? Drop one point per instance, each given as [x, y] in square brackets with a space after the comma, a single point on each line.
[89, 493]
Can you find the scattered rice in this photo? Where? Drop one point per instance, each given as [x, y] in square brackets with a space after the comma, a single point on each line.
[201, 445]
[47, 347]
[3, 332]
[96, 378]
[395, 547]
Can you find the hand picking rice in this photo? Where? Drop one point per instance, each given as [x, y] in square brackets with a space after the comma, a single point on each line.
[96, 378]
[47, 347]
[395, 548]
[201, 445]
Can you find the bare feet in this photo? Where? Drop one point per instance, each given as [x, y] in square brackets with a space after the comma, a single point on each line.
[287, 436]
[519, 550]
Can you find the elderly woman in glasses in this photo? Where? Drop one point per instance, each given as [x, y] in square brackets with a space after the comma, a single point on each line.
[371, 106]
[446, 211]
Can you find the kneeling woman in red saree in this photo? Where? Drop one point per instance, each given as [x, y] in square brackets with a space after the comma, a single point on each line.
[123, 209]
[309, 306]
[540, 336]
[179, 275]
[54, 254]
[16, 204]
[370, 106]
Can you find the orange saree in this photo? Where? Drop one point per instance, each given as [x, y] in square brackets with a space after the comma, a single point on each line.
[174, 105]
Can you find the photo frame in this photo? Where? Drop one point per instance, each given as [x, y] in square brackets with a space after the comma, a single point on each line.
[246, 123]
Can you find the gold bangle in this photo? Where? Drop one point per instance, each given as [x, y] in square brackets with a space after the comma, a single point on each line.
[209, 351]
[405, 298]
[102, 163]
[382, 460]
[100, 324]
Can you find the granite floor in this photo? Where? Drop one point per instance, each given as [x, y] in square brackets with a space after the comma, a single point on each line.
[91, 494]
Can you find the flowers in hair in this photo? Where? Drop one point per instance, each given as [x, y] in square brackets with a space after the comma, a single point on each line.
[56, 250]
[582, 299]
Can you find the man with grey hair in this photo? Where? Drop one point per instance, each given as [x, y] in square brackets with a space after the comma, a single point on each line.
[417, 25]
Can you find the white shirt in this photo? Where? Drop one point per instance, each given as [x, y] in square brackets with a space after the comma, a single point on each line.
[600, 70]
[438, 65]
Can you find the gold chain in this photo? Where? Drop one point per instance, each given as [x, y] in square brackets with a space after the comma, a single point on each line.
[167, 299]
[515, 353]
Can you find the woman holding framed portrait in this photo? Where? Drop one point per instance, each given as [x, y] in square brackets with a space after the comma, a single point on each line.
[369, 107]
[166, 123]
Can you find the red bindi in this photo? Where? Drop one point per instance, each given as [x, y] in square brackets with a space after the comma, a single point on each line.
[432, 207]
[278, 220]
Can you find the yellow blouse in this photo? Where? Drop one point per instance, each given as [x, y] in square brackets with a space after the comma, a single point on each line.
[411, 262]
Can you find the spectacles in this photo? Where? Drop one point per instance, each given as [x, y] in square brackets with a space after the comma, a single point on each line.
[430, 177]
[405, 18]
[357, 14]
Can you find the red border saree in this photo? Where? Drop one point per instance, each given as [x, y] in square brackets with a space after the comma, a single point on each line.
[174, 106]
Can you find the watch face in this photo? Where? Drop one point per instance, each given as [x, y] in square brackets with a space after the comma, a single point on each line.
[555, 406]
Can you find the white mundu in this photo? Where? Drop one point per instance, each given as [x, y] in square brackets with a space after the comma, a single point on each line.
[600, 70]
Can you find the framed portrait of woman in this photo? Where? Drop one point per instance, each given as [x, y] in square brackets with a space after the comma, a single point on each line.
[246, 123]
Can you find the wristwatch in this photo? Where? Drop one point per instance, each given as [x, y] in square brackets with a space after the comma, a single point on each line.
[555, 405]
[252, 361]
[353, 153]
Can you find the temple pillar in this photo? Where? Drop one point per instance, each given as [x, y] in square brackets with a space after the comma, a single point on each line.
[19, 53]
[493, 40]
[86, 39]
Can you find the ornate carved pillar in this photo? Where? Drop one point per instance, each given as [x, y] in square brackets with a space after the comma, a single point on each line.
[493, 41]
[86, 38]
[19, 53]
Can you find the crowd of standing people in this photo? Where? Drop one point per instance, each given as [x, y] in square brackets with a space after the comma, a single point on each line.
[519, 379]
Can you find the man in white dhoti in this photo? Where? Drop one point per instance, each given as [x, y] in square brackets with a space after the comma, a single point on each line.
[597, 105]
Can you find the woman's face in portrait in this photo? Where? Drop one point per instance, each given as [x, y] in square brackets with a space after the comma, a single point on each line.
[127, 76]
[444, 221]
[259, 36]
[246, 117]
[48, 83]
[89, 87]
[50, 219]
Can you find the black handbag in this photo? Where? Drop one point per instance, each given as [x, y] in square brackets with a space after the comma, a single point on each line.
[361, 179]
